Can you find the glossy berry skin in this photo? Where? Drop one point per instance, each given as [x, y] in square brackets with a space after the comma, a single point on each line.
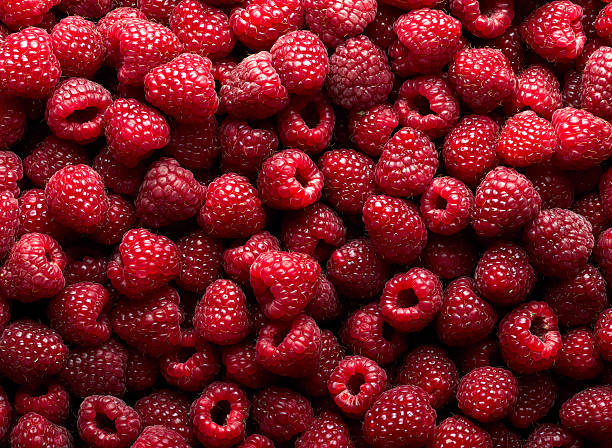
[25, 13]
[447, 205]
[195, 146]
[597, 74]
[460, 432]
[257, 441]
[488, 24]
[159, 436]
[9, 221]
[200, 261]
[328, 428]
[13, 123]
[371, 128]
[552, 435]
[11, 172]
[125, 420]
[241, 367]
[525, 140]
[537, 394]
[237, 260]
[51, 155]
[33, 430]
[53, 402]
[316, 384]
[78, 46]
[281, 413]
[166, 408]
[579, 358]
[591, 207]
[603, 254]
[603, 24]
[587, 414]
[538, 89]
[401, 417]
[34, 216]
[117, 177]
[190, 368]
[120, 218]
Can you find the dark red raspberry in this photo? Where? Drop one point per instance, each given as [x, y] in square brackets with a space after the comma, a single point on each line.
[120, 218]
[158, 10]
[9, 221]
[237, 260]
[526, 139]
[145, 263]
[588, 413]
[117, 177]
[190, 368]
[430, 368]
[359, 74]
[502, 437]
[11, 172]
[603, 334]
[34, 216]
[365, 332]
[33, 269]
[86, 8]
[202, 29]
[19, 14]
[242, 368]
[401, 417]
[536, 396]
[13, 121]
[28, 67]
[142, 371]
[326, 304]
[572, 89]
[428, 40]
[256, 441]
[408, 163]
[491, 21]
[579, 358]
[605, 189]
[134, 131]
[554, 186]
[195, 146]
[529, 338]
[50, 156]
[484, 353]
[160, 437]
[281, 413]
[538, 89]
[371, 128]
[336, 20]
[33, 431]
[554, 31]
[78, 46]
[51, 401]
[107, 422]
[595, 78]
[505, 201]
[464, 318]
[328, 429]
[460, 432]
[603, 24]
[166, 408]
[591, 207]
[504, 275]
[200, 261]
[86, 266]
[380, 30]
[482, 78]
[447, 205]
[315, 385]
[549, 435]
[5, 415]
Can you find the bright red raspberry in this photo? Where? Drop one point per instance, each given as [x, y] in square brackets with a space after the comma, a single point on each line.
[12, 121]
[241, 367]
[78, 46]
[104, 24]
[120, 218]
[28, 67]
[160, 437]
[328, 429]
[603, 334]
[504, 275]
[33, 431]
[11, 172]
[588, 414]
[538, 89]
[526, 139]
[134, 131]
[33, 269]
[34, 216]
[549, 435]
[200, 261]
[9, 221]
[315, 385]
[117, 177]
[371, 128]
[365, 332]
[491, 21]
[158, 10]
[447, 205]
[107, 422]
[166, 408]
[50, 156]
[51, 401]
[359, 74]
[529, 338]
[23, 13]
[579, 358]
[190, 368]
[86, 8]
[596, 77]
[401, 417]
[603, 24]
[460, 432]
[237, 260]
[537, 394]
[257, 441]
[591, 207]
[554, 31]
[281, 413]
[554, 186]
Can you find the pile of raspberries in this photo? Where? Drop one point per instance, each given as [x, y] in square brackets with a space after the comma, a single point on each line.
[305, 223]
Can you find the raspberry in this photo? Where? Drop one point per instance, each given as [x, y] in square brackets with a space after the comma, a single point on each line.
[315, 385]
[19, 14]
[107, 422]
[50, 156]
[447, 205]
[484, 353]
[554, 31]
[159, 437]
[256, 441]
[603, 254]
[365, 332]
[117, 177]
[482, 78]
[587, 414]
[200, 261]
[191, 368]
[78, 46]
[33, 430]
[158, 10]
[551, 435]
[166, 408]
[603, 334]
[241, 367]
[554, 186]
[529, 338]
[490, 22]
[237, 260]
[408, 163]
[134, 131]
[579, 358]
[538, 89]
[380, 30]
[349, 179]
[460, 432]
[253, 89]
[536, 396]
[326, 304]
[85, 267]
[359, 74]
[401, 417]
[105, 23]
[77, 314]
[281, 413]
[86, 8]
[121, 217]
[430, 368]
[191, 98]
[596, 76]
[51, 402]
[9, 221]
[336, 20]
[195, 146]
[34, 216]
[141, 372]
[450, 257]
[96, 370]
[33, 269]
[591, 207]
[327, 428]
[505, 202]
[504, 275]
[464, 318]
[502, 437]
[603, 24]
[259, 23]
[28, 67]
[11, 172]
[13, 121]
[145, 263]
[371, 128]
[572, 89]
[202, 29]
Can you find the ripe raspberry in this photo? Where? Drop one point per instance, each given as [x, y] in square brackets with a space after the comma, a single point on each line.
[349, 179]
[572, 89]
[200, 261]
[86, 8]
[160, 437]
[52, 402]
[166, 408]
[579, 358]
[241, 367]
[482, 78]
[195, 146]
[50, 156]
[104, 24]
[256, 441]
[447, 205]
[107, 422]
[380, 30]
[33, 269]
[78, 46]
[145, 263]
[450, 257]
[504, 275]
[595, 78]
[591, 207]
[11, 172]
[33, 430]
[526, 139]
[95, 370]
[9, 221]
[554, 31]
[20, 14]
[88, 266]
[549, 435]
[34, 216]
[484, 353]
[603, 24]
[401, 417]
[281, 413]
[191, 368]
[328, 429]
[359, 74]
[365, 332]
[28, 67]
[134, 131]
[117, 177]
[315, 385]
[587, 414]
[603, 334]
[490, 22]
[141, 372]
[505, 202]
[408, 163]
[529, 338]
[371, 128]
[603, 254]
[554, 186]
[538, 89]
[158, 10]
[121, 217]
[536, 396]
[13, 121]
[237, 260]
[460, 432]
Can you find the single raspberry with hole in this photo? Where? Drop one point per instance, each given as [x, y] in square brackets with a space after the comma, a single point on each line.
[596, 76]
[315, 385]
[237, 260]
[33, 430]
[160, 437]
[579, 358]
[13, 121]
[166, 408]
[446, 205]
[9, 221]
[537, 394]
[591, 207]
[549, 435]
[50, 156]
[51, 401]
[371, 128]
[460, 432]
[78, 46]
[190, 368]
[488, 20]
[116, 176]
[241, 367]
[281, 413]
[588, 413]
[327, 429]
[107, 422]
[538, 89]
[603, 334]
[200, 261]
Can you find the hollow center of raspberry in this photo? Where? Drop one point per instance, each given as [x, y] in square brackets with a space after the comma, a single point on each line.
[280, 336]
[83, 115]
[310, 115]
[303, 180]
[421, 104]
[538, 327]
[407, 299]
[48, 257]
[354, 383]
[441, 203]
[220, 412]
[105, 424]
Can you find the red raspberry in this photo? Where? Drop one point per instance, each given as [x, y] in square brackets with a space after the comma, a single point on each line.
[104, 24]
[117, 177]
[50, 156]
[219, 415]
[51, 402]
[412, 4]
[256, 441]
[166, 408]
[33, 269]
[492, 21]
[328, 429]
[336, 20]
[572, 89]
[538, 89]
[526, 139]
[603, 334]
[158, 10]
[450, 257]
[34, 216]
[591, 207]
[281, 413]
[78, 46]
[9, 221]
[447, 205]
[86, 8]
[315, 385]
[259, 23]
[587, 414]
[200, 261]
[121, 217]
[141, 372]
[408, 163]
[28, 67]
[579, 358]
[605, 189]
[505, 202]
[241, 367]
[596, 76]
[502, 437]
[365, 332]
[33, 430]
[145, 263]
[254, 89]
[380, 30]
[237, 260]
[460, 432]
[191, 368]
[134, 131]
[5, 415]
[85, 267]
[107, 422]
[401, 417]
[160, 437]
[529, 338]
[195, 146]
[464, 318]
[96, 370]
[554, 186]
[371, 128]
[359, 74]
[603, 24]
[554, 31]
[430, 368]
[20, 14]
[549, 435]
[504, 275]
[536, 396]
[11, 172]
[484, 353]
[13, 121]
[326, 304]
[482, 78]
[349, 179]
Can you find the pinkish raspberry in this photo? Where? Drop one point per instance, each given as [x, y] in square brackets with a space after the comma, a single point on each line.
[78, 46]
